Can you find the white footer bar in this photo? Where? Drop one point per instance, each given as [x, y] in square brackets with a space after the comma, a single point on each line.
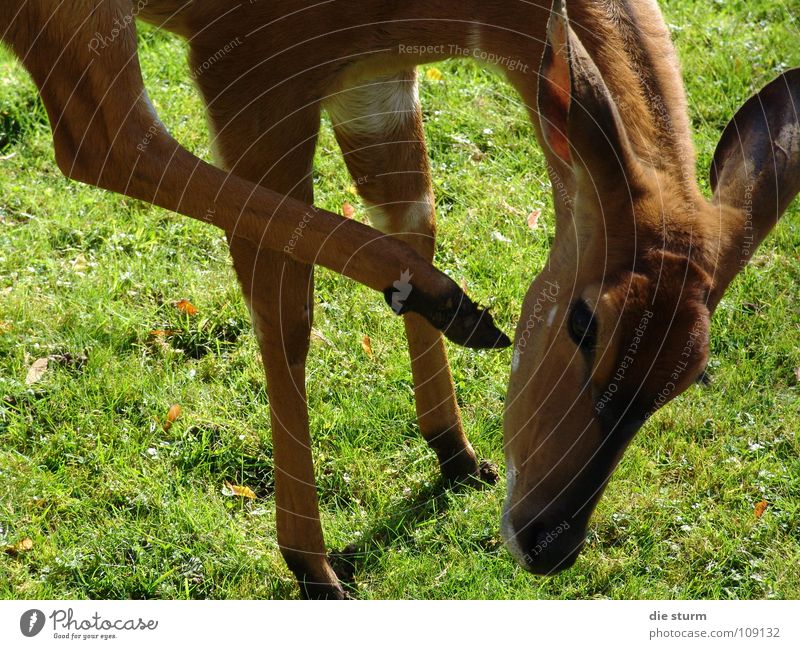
[412, 624]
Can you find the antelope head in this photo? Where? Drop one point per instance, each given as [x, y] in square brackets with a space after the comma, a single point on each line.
[617, 324]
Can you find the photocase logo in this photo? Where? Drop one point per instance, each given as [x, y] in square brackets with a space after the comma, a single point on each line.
[403, 286]
[31, 622]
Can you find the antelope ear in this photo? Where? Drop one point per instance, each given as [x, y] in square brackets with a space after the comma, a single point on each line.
[757, 162]
[755, 173]
[579, 120]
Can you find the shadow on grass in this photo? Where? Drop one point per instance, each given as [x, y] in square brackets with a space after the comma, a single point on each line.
[396, 530]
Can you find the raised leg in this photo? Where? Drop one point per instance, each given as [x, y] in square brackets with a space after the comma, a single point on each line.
[106, 133]
[378, 124]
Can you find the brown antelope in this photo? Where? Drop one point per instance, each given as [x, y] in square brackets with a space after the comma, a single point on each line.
[639, 262]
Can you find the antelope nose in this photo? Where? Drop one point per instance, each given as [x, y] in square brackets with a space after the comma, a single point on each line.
[548, 548]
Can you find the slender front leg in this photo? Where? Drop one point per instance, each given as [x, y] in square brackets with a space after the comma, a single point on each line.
[378, 123]
[280, 294]
[271, 143]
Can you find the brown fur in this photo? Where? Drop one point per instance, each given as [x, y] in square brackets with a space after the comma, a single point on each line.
[634, 235]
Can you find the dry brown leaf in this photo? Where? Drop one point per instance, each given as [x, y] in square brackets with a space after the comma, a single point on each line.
[36, 370]
[348, 210]
[5, 327]
[25, 545]
[366, 345]
[797, 374]
[172, 414]
[533, 219]
[162, 333]
[760, 508]
[236, 490]
[186, 307]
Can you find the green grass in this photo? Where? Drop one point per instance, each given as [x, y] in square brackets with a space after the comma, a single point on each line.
[117, 507]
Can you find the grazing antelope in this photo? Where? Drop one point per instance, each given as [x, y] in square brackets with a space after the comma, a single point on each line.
[641, 258]
[639, 262]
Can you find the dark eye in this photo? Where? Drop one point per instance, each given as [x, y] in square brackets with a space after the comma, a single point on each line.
[582, 326]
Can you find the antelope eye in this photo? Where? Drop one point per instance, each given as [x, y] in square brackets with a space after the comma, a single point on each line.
[582, 326]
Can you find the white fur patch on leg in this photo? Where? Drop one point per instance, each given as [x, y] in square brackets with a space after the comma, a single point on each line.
[374, 106]
[415, 216]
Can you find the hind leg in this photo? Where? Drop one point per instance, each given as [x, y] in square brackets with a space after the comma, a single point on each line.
[378, 124]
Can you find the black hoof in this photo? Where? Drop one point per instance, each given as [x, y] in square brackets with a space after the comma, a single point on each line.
[456, 316]
[485, 475]
[344, 563]
[488, 473]
[474, 327]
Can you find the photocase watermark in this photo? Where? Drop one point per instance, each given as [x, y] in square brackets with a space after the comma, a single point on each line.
[31, 622]
[423, 50]
[625, 363]
[548, 295]
[559, 187]
[681, 366]
[403, 289]
[628, 359]
[451, 50]
[121, 24]
[546, 541]
[151, 132]
[509, 63]
[298, 232]
[748, 240]
[221, 53]
[67, 626]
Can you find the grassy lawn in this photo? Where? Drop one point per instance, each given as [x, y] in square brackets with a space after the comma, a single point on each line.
[118, 507]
